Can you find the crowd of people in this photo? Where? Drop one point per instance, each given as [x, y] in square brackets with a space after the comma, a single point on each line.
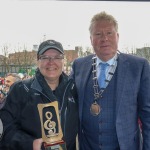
[105, 101]
[5, 84]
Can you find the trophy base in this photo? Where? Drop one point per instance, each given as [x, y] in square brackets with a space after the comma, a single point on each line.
[57, 146]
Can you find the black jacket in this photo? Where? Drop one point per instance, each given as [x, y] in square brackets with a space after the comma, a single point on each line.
[20, 114]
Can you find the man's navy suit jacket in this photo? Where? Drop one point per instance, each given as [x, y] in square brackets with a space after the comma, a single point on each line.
[133, 98]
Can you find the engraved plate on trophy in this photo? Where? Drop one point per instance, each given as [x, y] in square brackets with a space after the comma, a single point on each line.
[51, 127]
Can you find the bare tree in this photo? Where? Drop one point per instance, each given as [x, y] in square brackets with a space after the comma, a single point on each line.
[144, 52]
[23, 60]
[88, 51]
[5, 61]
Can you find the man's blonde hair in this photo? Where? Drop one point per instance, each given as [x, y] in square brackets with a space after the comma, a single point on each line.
[101, 17]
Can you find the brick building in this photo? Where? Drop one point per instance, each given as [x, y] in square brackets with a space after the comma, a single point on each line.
[26, 60]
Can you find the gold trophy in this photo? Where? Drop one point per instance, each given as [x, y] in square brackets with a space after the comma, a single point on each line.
[50, 126]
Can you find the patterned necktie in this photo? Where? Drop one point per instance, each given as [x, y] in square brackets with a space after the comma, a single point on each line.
[102, 76]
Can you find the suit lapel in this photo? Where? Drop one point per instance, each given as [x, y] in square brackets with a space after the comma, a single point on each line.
[122, 75]
[86, 71]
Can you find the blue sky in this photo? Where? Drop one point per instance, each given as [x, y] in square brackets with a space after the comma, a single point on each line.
[27, 23]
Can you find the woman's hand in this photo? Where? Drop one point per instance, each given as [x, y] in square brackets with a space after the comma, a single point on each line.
[37, 144]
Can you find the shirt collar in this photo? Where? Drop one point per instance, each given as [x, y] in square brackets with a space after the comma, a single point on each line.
[110, 62]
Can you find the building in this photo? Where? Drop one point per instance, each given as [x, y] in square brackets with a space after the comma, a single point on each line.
[26, 61]
[2, 68]
[70, 56]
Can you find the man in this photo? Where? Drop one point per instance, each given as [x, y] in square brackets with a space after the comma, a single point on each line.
[9, 80]
[20, 116]
[109, 109]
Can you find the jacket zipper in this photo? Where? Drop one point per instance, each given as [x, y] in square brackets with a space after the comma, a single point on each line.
[65, 109]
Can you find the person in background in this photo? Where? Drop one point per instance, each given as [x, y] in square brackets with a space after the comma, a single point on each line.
[10, 79]
[21, 75]
[8, 82]
[113, 91]
[20, 116]
[2, 96]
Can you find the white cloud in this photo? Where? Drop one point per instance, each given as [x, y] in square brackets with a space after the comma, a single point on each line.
[26, 22]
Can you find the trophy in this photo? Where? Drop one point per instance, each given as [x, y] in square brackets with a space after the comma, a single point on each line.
[50, 126]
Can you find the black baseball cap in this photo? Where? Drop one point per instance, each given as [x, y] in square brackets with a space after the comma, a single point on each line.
[50, 44]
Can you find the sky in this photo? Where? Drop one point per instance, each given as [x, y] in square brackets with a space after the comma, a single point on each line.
[27, 23]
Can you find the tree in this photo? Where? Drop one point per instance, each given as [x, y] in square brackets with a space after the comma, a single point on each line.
[23, 60]
[5, 61]
[144, 52]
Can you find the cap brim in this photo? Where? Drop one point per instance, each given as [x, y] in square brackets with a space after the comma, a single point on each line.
[49, 47]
